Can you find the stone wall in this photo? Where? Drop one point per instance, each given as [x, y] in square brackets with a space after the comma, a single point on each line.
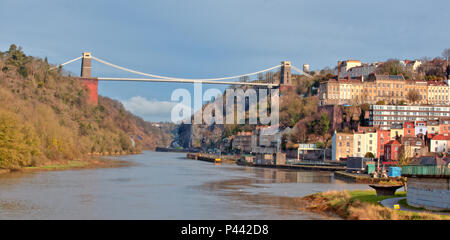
[429, 193]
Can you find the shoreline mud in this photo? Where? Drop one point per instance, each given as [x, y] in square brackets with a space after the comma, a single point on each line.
[88, 163]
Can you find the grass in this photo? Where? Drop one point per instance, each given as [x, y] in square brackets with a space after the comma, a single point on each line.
[370, 196]
[363, 205]
[61, 166]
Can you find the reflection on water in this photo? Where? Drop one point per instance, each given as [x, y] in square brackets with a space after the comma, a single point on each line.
[163, 186]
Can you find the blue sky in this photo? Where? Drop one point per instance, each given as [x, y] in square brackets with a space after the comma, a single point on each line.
[206, 38]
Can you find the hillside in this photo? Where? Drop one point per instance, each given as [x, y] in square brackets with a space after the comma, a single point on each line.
[44, 117]
[298, 110]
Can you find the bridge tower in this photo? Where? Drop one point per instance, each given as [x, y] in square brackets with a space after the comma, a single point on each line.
[87, 80]
[86, 67]
[285, 76]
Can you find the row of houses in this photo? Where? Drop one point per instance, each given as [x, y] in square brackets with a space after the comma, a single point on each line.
[410, 138]
[392, 89]
[355, 68]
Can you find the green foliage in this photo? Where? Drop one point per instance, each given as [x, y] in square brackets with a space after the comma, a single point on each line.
[392, 67]
[320, 145]
[17, 58]
[293, 108]
[125, 142]
[370, 196]
[320, 125]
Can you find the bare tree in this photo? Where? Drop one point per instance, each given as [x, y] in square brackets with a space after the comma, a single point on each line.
[244, 78]
[413, 96]
[446, 54]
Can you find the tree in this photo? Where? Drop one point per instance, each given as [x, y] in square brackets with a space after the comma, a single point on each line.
[402, 158]
[324, 123]
[392, 67]
[300, 134]
[446, 54]
[244, 79]
[284, 139]
[17, 58]
[413, 96]
[369, 155]
[18, 143]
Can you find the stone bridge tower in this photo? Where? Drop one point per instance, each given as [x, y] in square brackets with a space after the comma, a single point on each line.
[86, 67]
[285, 76]
[87, 80]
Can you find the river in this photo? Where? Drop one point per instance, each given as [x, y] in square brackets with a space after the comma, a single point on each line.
[163, 186]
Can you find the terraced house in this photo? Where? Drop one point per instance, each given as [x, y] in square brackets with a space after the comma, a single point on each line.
[438, 93]
[392, 89]
[342, 146]
[410, 137]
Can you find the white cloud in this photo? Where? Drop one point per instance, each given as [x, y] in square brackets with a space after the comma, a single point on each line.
[150, 110]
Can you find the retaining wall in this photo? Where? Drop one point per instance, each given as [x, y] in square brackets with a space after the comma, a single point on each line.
[429, 193]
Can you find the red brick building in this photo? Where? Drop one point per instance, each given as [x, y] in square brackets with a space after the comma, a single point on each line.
[444, 126]
[383, 137]
[392, 150]
[409, 130]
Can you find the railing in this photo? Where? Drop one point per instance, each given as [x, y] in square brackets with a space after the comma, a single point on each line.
[214, 156]
[438, 170]
[309, 162]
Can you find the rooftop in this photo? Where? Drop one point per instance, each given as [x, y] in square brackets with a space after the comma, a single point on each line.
[441, 137]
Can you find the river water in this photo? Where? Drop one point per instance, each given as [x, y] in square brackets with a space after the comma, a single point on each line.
[163, 186]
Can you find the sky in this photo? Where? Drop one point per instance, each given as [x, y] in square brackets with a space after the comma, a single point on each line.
[216, 38]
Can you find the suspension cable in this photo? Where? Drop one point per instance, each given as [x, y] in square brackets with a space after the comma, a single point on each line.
[164, 77]
[300, 71]
[60, 65]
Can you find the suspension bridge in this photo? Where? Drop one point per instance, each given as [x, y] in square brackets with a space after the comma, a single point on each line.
[91, 83]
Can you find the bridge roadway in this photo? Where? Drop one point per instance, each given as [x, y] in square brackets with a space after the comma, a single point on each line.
[270, 85]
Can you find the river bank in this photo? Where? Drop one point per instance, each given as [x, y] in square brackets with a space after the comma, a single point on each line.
[87, 163]
[361, 205]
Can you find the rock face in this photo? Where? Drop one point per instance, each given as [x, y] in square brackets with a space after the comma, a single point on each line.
[199, 136]
[342, 117]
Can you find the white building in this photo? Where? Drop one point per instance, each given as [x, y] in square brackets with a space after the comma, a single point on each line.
[386, 115]
[440, 144]
[411, 65]
[354, 68]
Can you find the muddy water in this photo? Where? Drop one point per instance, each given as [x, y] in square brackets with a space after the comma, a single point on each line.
[163, 186]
